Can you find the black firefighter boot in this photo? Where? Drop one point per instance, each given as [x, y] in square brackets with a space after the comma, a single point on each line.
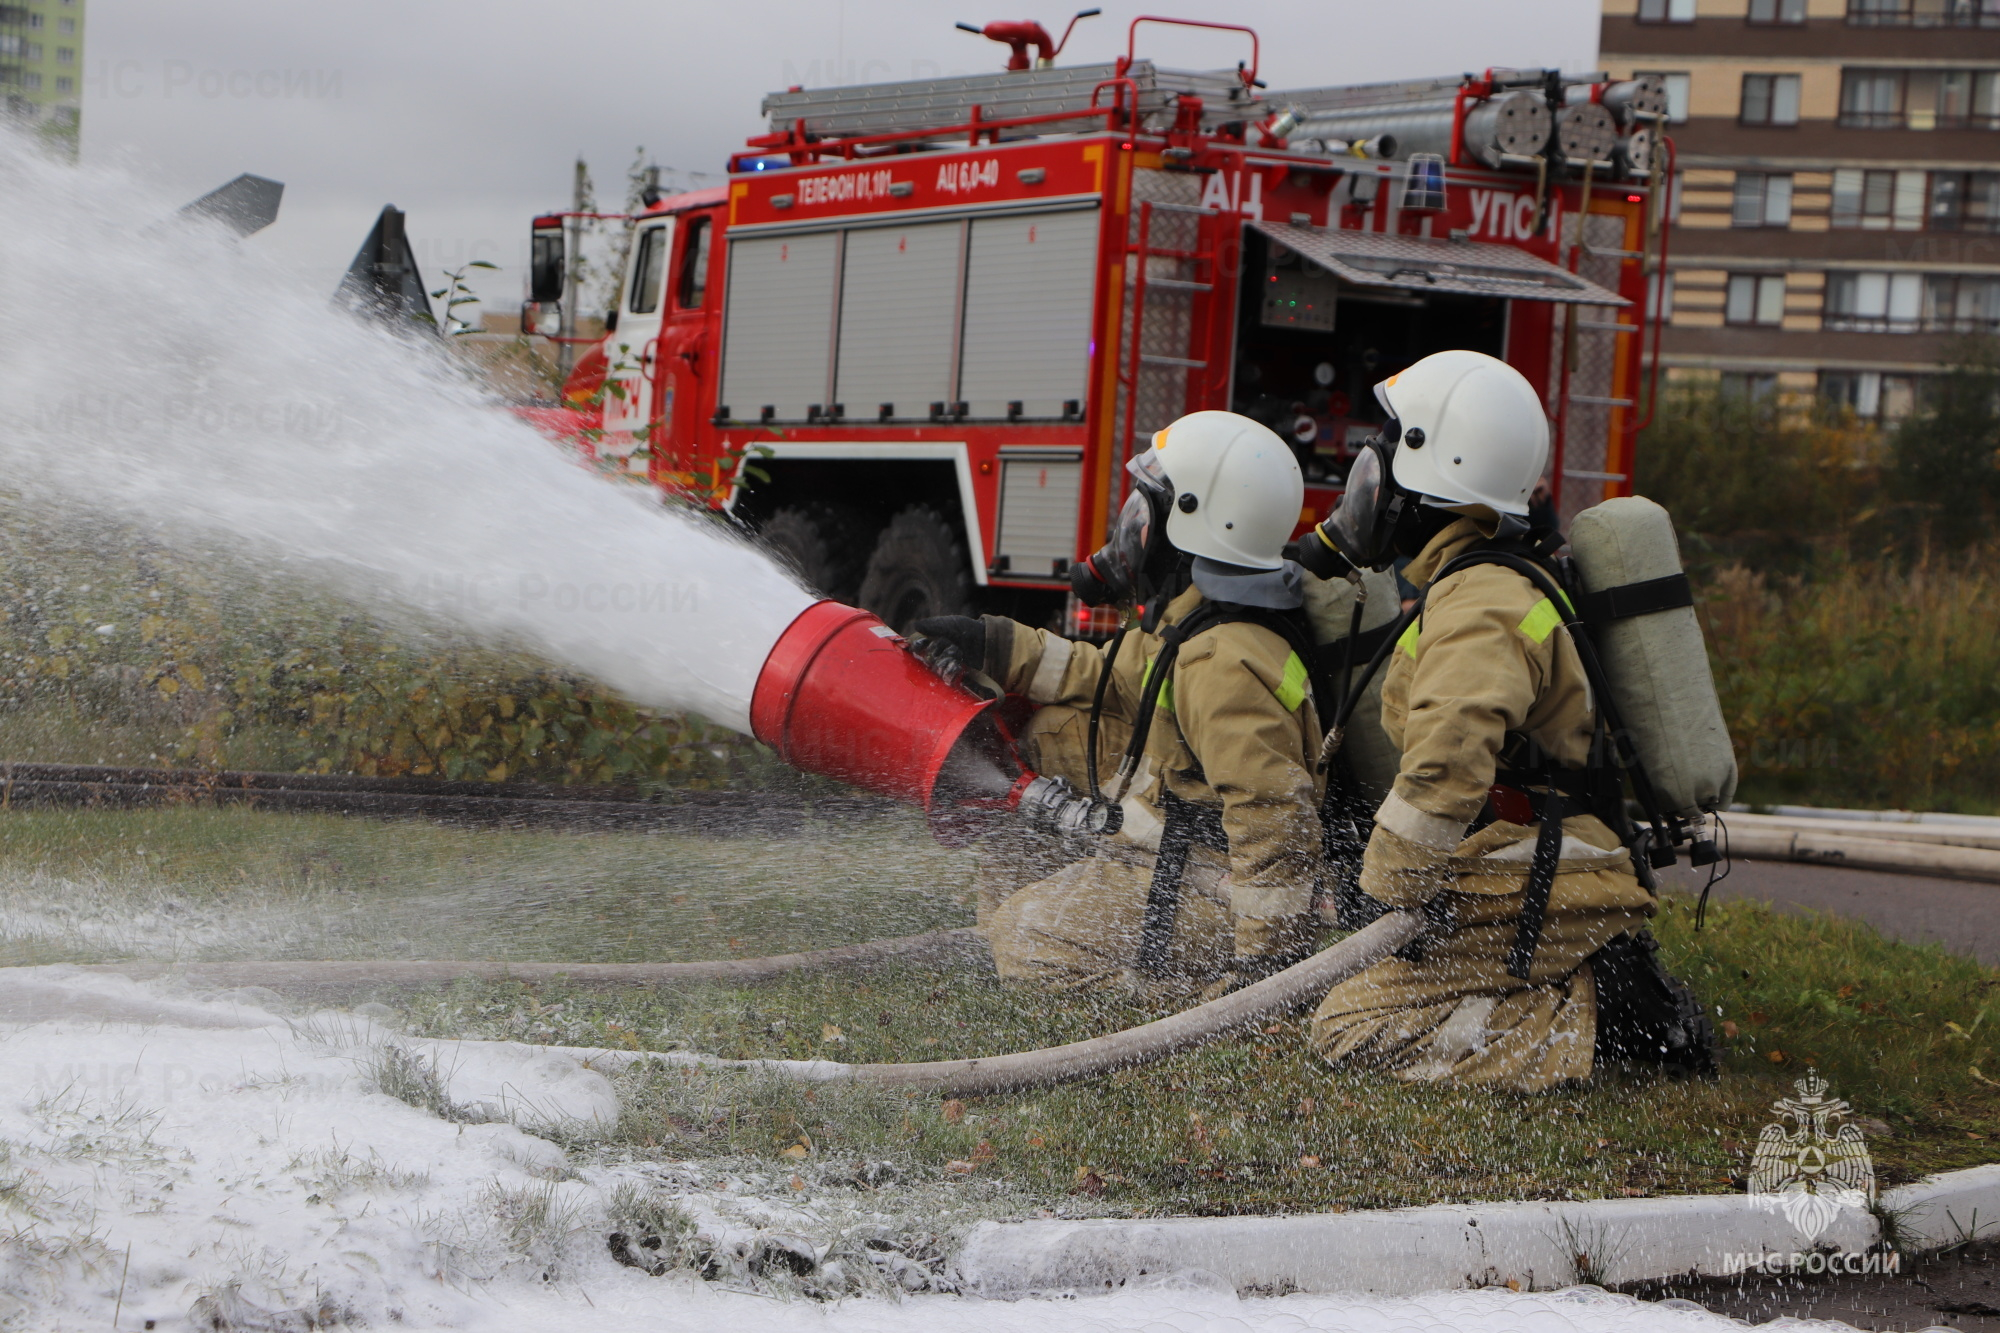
[1646, 1015]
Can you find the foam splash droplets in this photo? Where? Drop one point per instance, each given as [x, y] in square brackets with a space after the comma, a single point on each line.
[170, 376]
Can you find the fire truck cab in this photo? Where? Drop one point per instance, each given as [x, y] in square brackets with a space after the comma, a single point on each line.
[916, 337]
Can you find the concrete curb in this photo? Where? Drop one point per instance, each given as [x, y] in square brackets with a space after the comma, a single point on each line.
[1405, 1251]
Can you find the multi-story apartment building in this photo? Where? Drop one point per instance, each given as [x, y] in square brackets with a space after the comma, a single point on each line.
[41, 66]
[1838, 205]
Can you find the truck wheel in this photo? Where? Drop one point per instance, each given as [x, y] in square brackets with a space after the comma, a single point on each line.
[918, 570]
[815, 541]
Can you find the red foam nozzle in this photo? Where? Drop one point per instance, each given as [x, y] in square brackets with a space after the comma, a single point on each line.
[842, 695]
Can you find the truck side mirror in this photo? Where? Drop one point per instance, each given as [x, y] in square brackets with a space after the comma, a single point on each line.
[540, 318]
[545, 261]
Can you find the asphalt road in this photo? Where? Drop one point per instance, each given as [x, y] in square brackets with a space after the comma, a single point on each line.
[1964, 917]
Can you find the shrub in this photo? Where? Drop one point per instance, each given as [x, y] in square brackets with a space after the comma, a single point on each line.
[112, 647]
[1746, 482]
[1863, 686]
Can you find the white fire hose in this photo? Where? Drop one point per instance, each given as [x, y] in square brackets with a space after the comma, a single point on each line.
[1300, 984]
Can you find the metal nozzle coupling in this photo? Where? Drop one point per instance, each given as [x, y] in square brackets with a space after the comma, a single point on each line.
[1051, 805]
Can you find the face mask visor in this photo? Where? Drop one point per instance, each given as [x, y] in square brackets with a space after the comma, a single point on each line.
[1359, 527]
[1116, 573]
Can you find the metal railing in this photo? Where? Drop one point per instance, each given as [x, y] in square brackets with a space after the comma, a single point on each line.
[1916, 14]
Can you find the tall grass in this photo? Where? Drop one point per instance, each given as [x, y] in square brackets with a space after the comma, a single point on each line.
[1746, 482]
[1867, 685]
[1848, 579]
[115, 649]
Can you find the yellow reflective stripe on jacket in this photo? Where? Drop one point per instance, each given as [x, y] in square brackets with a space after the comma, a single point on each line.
[1541, 620]
[1166, 686]
[1408, 643]
[1291, 689]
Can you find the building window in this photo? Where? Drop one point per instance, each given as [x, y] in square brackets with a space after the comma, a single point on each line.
[1660, 298]
[34, 20]
[1675, 85]
[1917, 99]
[1777, 11]
[1965, 201]
[1869, 394]
[1879, 200]
[31, 51]
[1762, 200]
[1755, 298]
[65, 84]
[1770, 99]
[65, 55]
[1666, 11]
[1961, 303]
[67, 27]
[32, 81]
[1874, 302]
[1924, 13]
[1871, 99]
[1757, 388]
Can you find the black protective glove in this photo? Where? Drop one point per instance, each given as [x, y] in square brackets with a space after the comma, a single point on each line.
[1317, 554]
[972, 643]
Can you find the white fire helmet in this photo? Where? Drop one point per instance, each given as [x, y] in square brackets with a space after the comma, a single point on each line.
[1473, 431]
[1236, 489]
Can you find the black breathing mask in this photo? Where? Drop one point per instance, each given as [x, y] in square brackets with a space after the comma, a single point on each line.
[1361, 530]
[1131, 566]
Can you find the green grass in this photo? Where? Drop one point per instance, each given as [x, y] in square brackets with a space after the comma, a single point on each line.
[1257, 1124]
[1254, 1123]
[199, 883]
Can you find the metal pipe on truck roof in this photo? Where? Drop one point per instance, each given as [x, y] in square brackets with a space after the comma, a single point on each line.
[1628, 100]
[1519, 123]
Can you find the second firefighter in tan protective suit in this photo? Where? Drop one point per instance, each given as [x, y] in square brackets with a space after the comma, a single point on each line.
[1231, 744]
[1486, 687]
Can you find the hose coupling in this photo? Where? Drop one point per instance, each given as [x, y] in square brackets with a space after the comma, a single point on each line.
[1051, 805]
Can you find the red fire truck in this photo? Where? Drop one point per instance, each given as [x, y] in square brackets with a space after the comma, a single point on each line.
[915, 338]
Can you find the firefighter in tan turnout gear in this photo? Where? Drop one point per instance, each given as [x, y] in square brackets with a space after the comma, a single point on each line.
[1212, 879]
[1488, 700]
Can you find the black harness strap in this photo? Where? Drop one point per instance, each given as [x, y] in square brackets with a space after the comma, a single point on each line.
[1097, 710]
[1659, 846]
[1340, 655]
[1183, 825]
[1551, 807]
[1666, 593]
[1183, 822]
[1612, 750]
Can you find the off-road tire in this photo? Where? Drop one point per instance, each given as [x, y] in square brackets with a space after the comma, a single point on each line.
[819, 544]
[918, 569]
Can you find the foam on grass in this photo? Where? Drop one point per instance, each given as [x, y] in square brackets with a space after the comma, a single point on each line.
[233, 1163]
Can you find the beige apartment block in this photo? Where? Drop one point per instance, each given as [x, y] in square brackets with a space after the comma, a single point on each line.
[1838, 188]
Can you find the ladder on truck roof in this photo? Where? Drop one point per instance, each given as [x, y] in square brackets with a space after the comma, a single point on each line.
[1169, 262]
[948, 103]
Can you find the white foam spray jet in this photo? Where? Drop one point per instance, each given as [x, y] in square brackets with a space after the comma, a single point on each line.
[170, 376]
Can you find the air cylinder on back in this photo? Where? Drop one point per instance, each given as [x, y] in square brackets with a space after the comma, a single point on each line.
[1330, 608]
[1655, 659]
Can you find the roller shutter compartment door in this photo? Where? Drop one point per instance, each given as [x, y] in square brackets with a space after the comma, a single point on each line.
[1029, 283]
[898, 298]
[777, 340]
[1038, 512]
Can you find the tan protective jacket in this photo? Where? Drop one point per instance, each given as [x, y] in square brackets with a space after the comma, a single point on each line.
[1489, 655]
[1236, 729]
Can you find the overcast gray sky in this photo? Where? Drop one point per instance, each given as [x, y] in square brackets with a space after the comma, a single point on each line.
[468, 115]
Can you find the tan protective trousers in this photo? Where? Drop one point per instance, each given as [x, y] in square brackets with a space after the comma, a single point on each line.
[1053, 743]
[1069, 924]
[1080, 928]
[1457, 1016]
